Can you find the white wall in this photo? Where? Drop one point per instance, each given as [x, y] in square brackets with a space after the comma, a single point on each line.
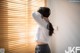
[66, 15]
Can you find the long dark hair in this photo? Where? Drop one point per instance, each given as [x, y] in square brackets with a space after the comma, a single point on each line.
[45, 12]
[50, 28]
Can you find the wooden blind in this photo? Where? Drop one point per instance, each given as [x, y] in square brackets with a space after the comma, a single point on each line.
[18, 26]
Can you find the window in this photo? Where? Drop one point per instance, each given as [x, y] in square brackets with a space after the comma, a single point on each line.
[21, 26]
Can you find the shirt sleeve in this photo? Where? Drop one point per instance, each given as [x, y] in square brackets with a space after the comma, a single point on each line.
[37, 17]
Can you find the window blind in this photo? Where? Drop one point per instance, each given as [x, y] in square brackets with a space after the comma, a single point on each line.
[19, 26]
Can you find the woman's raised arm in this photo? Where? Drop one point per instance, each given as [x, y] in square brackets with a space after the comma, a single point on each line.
[38, 18]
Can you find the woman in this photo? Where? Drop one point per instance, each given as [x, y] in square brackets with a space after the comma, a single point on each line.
[45, 30]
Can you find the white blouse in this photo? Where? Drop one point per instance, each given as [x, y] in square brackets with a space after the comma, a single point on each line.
[43, 32]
